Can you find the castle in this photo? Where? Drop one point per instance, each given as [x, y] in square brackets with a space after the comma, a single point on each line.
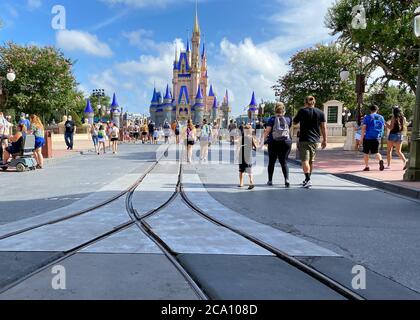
[190, 97]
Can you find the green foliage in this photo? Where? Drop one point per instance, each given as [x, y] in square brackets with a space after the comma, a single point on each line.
[388, 39]
[76, 118]
[44, 80]
[95, 101]
[316, 72]
[390, 97]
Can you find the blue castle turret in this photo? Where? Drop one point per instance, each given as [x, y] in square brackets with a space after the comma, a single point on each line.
[115, 111]
[199, 106]
[89, 113]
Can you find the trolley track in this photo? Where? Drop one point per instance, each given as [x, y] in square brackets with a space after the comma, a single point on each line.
[292, 261]
[87, 210]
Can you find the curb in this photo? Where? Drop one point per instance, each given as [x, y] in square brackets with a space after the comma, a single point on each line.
[386, 186]
[401, 190]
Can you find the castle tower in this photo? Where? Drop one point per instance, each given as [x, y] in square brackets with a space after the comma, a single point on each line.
[195, 57]
[199, 106]
[253, 108]
[215, 110]
[167, 106]
[115, 111]
[204, 73]
[154, 105]
[89, 113]
[226, 110]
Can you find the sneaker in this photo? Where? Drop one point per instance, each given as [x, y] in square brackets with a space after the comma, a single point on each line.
[381, 165]
[366, 169]
[287, 184]
[308, 184]
[251, 187]
[270, 183]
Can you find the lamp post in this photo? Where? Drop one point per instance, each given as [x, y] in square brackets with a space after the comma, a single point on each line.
[360, 90]
[413, 171]
[10, 76]
[346, 115]
[99, 93]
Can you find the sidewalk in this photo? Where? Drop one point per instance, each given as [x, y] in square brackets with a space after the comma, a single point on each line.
[59, 150]
[349, 165]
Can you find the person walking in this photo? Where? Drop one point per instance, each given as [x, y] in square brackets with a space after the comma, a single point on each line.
[312, 126]
[94, 134]
[167, 131]
[190, 138]
[102, 137]
[232, 132]
[70, 132]
[205, 141]
[24, 121]
[247, 143]
[372, 132]
[115, 133]
[37, 129]
[177, 131]
[397, 127]
[152, 128]
[278, 135]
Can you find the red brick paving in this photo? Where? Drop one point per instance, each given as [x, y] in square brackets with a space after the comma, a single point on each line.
[350, 162]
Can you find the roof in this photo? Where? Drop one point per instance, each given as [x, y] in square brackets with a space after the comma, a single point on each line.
[203, 53]
[154, 99]
[253, 100]
[184, 93]
[211, 93]
[199, 93]
[114, 104]
[89, 108]
[215, 103]
[181, 58]
[168, 94]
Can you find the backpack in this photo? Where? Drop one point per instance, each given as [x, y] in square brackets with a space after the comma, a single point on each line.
[281, 130]
[100, 134]
[377, 125]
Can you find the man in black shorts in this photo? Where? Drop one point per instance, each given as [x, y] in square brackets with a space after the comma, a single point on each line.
[312, 125]
[372, 132]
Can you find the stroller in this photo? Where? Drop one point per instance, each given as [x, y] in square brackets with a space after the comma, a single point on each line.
[23, 160]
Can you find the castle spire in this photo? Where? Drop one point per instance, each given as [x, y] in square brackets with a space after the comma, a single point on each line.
[196, 24]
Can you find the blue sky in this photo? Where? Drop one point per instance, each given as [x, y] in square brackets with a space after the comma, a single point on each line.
[125, 46]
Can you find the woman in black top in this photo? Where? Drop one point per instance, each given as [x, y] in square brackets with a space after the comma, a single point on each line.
[397, 127]
[16, 144]
[278, 134]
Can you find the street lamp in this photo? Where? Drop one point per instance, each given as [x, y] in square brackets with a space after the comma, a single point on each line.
[346, 115]
[360, 89]
[413, 171]
[99, 93]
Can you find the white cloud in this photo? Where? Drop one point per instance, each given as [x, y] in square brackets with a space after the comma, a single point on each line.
[140, 3]
[34, 4]
[73, 40]
[301, 24]
[243, 68]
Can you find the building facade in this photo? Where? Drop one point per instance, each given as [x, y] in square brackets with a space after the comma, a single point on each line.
[190, 97]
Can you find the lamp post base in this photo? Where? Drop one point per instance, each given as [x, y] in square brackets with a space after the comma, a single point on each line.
[412, 175]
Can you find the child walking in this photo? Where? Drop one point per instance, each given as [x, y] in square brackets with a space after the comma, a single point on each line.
[247, 143]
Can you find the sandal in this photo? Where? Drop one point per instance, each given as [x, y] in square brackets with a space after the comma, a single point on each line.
[39, 167]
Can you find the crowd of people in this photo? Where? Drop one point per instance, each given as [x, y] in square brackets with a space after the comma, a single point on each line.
[277, 136]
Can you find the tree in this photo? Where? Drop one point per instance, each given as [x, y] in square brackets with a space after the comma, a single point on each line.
[390, 97]
[316, 71]
[95, 101]
[388, 39]
[44, 80]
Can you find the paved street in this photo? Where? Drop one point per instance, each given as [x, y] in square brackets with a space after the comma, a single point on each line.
[148, 235]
